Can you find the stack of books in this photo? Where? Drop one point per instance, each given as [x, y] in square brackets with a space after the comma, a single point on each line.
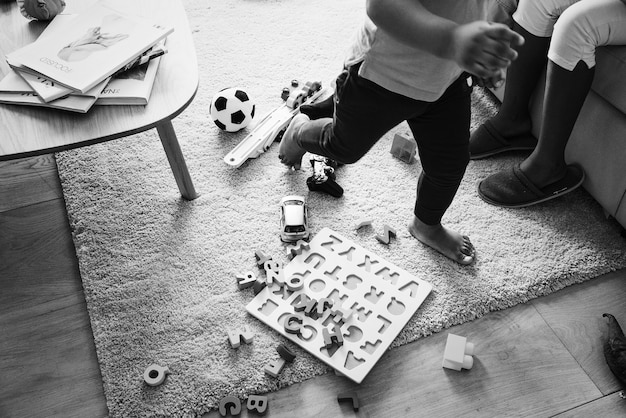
[98, 57]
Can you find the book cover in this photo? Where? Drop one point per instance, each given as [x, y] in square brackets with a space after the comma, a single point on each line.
[14, 90]
[94, 45]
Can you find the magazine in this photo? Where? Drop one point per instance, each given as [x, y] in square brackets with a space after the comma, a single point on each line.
[91, 47]
[134, 86]
[14, 90]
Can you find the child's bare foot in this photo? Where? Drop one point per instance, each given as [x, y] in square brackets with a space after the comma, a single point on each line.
[449, 243]
[290, 152]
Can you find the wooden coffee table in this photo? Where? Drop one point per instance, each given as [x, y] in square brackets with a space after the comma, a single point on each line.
[28, 131]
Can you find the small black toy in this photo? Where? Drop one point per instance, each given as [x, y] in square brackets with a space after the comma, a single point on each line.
[323, 178]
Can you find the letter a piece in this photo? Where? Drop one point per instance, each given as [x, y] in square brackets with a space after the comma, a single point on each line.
[458, 353]
[246, 280]
[236, 335]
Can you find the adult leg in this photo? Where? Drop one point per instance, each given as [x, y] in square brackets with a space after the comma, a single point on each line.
[544, 174]
[582, 27]
[510, 128]
[442, 134]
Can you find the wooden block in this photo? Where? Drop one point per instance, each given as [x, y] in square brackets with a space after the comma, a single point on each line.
[458, 353]
[275, 367]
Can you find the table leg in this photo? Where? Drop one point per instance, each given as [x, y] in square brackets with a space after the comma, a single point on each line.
[176, 159]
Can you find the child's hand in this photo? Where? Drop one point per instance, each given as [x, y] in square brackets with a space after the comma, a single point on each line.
[484, 49]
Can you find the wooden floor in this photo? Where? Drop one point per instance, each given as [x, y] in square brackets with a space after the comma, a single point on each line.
[543, 358]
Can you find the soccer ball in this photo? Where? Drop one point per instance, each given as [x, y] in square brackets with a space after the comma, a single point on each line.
[232, 109]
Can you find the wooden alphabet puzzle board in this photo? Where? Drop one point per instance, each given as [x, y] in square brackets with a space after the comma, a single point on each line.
[381, 297]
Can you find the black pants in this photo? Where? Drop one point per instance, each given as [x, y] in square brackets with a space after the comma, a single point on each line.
[364, 112]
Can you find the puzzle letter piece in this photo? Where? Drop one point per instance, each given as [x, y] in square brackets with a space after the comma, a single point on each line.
[335, 337]
[286, 353]
[154, 374]
[388, 233]
[236, 335]
[349, 397]
[363, 224]
[275, 367]
[233, 404]
[293, 324]
[257, 404]
[246, 280]
[458, 353]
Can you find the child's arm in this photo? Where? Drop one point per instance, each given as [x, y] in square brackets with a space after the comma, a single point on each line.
[481, 48]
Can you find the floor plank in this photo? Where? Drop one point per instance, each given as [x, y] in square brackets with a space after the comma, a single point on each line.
[27, 181]
[37, 256]
[575, 315]
[520, 369]
[605, 407]
[48, 364]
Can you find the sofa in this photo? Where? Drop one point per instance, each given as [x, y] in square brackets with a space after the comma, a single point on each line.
[598, 140]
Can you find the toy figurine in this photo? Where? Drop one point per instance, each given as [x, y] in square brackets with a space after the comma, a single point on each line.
[615, 349]
[41, 9]
[323, 178]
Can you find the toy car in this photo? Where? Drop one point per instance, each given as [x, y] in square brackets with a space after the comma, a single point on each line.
[294, 224]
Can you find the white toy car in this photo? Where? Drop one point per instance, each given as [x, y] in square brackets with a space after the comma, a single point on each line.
[294, 223]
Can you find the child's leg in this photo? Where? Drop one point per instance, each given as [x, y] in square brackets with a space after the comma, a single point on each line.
[442, 134]
[364, 113]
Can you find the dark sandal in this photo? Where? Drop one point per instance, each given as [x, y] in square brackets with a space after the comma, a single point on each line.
[512, 189]
[486, 141]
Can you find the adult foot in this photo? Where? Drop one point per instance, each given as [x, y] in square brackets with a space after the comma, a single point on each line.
[449, 243]
[490, 139]
[289, 152]
[321, 109]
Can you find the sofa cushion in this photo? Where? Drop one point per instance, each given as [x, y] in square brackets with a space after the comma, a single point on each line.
[609, 81]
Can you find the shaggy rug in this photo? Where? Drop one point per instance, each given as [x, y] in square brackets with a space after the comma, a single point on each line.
[159, 272]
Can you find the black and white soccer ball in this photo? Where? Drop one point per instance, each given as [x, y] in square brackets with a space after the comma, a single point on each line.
[232, 109]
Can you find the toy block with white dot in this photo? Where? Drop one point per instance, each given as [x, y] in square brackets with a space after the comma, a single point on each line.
[275, 367]
[458, 353]
[235, 336]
